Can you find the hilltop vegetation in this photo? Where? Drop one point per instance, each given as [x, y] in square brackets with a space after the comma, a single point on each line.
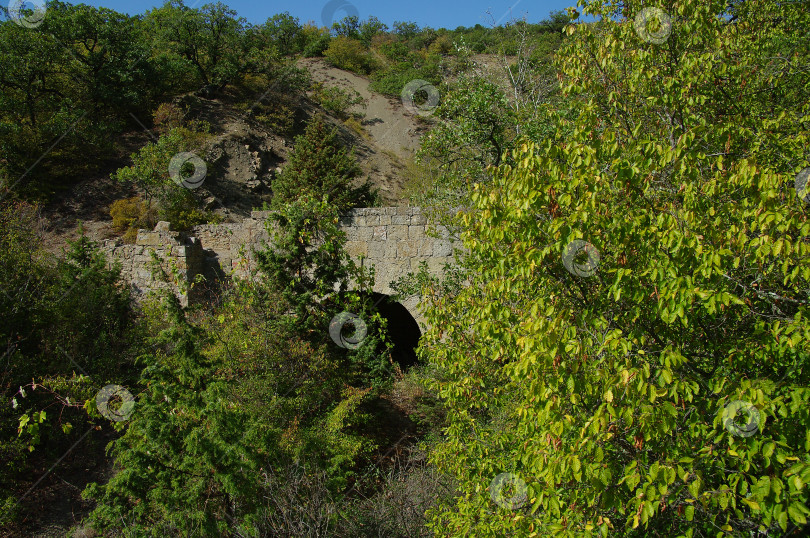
[623, 350]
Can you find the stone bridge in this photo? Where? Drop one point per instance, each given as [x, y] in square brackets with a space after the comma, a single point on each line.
[395, 240]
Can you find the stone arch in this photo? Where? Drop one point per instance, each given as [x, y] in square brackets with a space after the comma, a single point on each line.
[403, 329]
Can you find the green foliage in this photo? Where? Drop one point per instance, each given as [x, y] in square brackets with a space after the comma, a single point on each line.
[74, 304]
[168, 116]
[478, 117]
[72, 79]
[349, 54]
[60, 316]
[481, 118]
[286, 33]
[209, 40]
[275, 99]
[406, 30]
[370, 28]
[310, 269]
[307, 260]
[348, 26]
[92, 309]
[187, 440]
[422, 282]
[408, 66]
[131, 214]
[320, 166]
[256, 387]
[357, 127]
[150, 172]
[605, 393]
[477, 127]
[336, 100]
[316, 40]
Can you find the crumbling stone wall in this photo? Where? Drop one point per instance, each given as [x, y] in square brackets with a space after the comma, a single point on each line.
[393, 239]
[179, 257]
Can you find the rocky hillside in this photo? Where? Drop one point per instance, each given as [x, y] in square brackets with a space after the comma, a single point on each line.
[244, 156]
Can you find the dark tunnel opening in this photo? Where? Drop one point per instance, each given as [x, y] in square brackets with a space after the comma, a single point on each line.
[403, 330]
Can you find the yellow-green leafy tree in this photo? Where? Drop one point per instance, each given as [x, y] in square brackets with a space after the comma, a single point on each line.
[631, 355]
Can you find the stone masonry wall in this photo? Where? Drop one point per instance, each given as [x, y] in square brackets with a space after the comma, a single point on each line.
[179, 256]
[393, 239]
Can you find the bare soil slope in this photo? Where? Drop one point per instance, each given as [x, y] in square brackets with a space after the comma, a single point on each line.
[391, 134]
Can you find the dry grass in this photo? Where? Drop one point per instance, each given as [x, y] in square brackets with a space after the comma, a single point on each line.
[357, 128]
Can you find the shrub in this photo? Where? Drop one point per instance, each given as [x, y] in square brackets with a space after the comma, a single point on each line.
[278, 110]
[57, 314]
[168, 116]
[186, 441]
[150, 171]
[125, 213]
[442, 45]
[186, 218]
[349, 54]
[314, 40]
[130, 214]
[393, 79]
[337, 100]
[396, 51]
[381, 40]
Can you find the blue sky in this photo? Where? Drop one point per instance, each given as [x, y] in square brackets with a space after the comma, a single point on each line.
[437, 14]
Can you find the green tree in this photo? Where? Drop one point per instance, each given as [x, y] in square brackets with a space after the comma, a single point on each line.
[556, 22]
[62, 317]
[150, 171]
[255, 388]
[308, 267]
[67, 88]
[307, 263]
[406, 30]
[607, 385]
[108, 56]
[189, 460]
[371, 27]
[348, 26]
[475, 133]
[39, 102]
[210, 40]
[91, 310]
[285, 31]
[320, 166]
